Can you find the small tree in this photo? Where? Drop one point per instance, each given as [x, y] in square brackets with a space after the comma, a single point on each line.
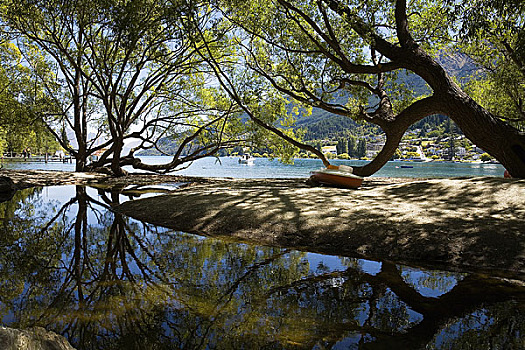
[485, 157]
[352, 145]
[342, 146]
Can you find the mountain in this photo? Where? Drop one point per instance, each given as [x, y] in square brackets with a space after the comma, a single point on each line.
[326, 126]
[322, 125]
[166, 144]
[457, 65]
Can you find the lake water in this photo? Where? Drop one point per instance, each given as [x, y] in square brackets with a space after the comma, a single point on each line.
[105, 281]
[266, 168]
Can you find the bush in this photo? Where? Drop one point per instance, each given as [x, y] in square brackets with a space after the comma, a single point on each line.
[485, 157]
[434, 133]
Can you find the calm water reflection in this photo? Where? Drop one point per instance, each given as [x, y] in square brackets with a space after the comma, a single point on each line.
[105, 281]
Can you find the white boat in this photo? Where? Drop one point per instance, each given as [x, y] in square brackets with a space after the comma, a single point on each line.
[246, 159]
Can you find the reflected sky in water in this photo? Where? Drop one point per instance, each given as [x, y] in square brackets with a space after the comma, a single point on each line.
[105, 281]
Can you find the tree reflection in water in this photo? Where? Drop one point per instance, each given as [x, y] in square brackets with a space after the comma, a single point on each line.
[108, 282]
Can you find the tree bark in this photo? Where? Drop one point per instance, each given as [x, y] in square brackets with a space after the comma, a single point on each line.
[494, 136]
[392, 141]
[116, 168]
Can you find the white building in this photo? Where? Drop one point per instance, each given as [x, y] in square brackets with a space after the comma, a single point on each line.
[329, 149]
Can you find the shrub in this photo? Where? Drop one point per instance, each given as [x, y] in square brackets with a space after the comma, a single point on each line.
[485, 157]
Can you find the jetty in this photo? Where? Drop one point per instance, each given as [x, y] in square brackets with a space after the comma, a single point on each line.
[38, 159]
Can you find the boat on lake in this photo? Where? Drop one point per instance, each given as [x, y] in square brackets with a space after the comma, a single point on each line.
[339, 176]
[246, 159]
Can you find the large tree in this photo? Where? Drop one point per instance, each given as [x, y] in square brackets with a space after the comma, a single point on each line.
[51, 37]
[317, 52]
[125, 70]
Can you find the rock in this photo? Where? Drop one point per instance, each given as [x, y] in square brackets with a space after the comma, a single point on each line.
[36, 338]
[7, 188]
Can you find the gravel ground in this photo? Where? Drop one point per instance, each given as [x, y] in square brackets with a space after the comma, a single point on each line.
[475, 224]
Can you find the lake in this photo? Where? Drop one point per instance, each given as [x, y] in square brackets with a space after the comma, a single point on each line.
[105, 281]
[266, 168]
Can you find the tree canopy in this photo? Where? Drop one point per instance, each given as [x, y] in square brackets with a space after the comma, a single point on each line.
[19, 129]
[119, 71]
[493, 35]
[317, 52]
[224, 73]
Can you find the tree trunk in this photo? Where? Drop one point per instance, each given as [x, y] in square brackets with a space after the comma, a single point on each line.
[116, 168]
[494, 136]
[488, 132]
[389, 149]
[80, 161]
[80, 229]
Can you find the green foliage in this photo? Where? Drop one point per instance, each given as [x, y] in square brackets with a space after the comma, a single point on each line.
[397, 154]
[150, 65]
[485, 157]
[126, 69]
[19, 93]
[283, 45]
[493, 36]
[342, 146]
[434, 133]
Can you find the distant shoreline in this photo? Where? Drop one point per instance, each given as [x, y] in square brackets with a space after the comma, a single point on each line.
[266, 168]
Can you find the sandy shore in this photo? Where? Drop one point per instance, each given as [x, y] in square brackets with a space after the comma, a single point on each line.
[29, 178]
[475, 224]
[464, 224]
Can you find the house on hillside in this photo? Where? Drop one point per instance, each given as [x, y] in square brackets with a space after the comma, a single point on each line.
[374, 148]
[329, 149]
[461, 152]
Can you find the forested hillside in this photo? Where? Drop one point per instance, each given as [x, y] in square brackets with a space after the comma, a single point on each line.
[321, 125]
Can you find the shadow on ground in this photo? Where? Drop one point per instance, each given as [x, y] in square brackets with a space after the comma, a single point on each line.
[474, 224]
